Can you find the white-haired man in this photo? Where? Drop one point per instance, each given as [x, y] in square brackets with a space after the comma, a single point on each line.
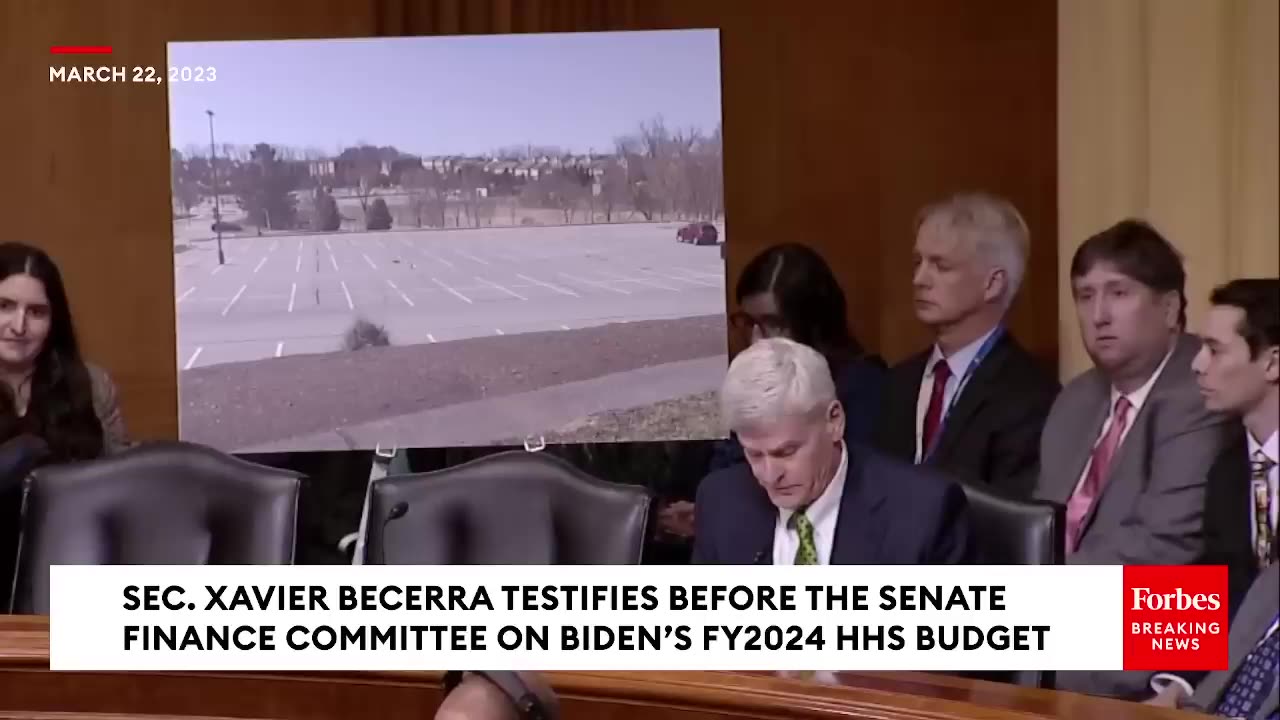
[973, 404]
[806, 498]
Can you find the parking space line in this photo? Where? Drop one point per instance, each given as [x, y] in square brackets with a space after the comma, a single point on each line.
[333, 260]
[402, 295]
[640, 281]
[431, 337]
[691, 281]
[366, 259]
[184, 295]
[594, 283]
[345, 291]
[557, 288]
[279, 348]
[297, 267]
[327, 246]
[192, 360]
[564, 327]
[499, 331]
[492, 284]
[469, 256]
[261, 262]
[293, 292]
[216, 270]
[231, 304]
[450, 265]
[718, 276]
[459, 295]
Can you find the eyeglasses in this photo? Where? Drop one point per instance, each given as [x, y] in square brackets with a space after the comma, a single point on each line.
[770, 325]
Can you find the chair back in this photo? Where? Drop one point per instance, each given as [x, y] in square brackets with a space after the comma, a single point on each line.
[168, 503]
[512, 508]
[1011, 531]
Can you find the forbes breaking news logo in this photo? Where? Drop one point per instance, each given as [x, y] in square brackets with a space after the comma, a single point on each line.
[1175, 617]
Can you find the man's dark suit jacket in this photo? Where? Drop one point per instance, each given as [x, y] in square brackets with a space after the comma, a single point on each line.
[891, 513]
[992, 435]
[1227, 522]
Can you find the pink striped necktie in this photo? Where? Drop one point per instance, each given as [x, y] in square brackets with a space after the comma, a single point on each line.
[1094, 480]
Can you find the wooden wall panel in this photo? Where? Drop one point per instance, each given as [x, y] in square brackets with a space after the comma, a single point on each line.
[840, 119]
[88, 167]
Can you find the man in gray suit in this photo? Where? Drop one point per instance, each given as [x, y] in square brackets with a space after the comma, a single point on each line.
[1247, 688]
[1128, 444]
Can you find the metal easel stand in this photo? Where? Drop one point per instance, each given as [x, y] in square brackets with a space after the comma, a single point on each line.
[395, 461]
[385, 462]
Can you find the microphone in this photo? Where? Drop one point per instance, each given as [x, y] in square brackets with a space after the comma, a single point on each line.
[396, 512]
[18, 457]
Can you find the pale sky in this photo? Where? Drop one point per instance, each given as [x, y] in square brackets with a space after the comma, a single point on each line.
[447, 95]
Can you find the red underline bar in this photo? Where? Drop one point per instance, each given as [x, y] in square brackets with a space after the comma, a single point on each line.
[80, 50]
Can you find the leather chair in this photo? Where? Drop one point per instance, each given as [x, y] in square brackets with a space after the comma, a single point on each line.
[18, 457]
[512, 508]
[166, 503]
[1010, 531]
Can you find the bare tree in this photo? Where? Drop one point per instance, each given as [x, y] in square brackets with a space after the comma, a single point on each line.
[361, 170]
[472, 187]
[613, 188]
[414, 182]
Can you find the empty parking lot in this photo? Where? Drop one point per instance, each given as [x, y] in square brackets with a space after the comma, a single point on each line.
[295, 294]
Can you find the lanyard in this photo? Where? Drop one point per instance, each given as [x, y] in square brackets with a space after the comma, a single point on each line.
[983, 351]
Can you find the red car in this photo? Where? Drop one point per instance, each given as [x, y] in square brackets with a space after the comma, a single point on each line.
[698, 233]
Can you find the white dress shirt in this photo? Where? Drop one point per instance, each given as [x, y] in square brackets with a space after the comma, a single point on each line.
[1136, 399]
[959, 362]
[823, 513]
[1271, 449]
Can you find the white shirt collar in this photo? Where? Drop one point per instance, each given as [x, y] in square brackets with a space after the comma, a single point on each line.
[1270, 448]
[827, 506]
[961, 359]
[1138, 397]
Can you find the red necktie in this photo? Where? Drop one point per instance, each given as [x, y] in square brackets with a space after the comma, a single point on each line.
[1094, 480]
[933, 417]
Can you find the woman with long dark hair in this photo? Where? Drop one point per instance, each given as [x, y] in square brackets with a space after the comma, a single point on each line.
[46, 389]
[789, 291]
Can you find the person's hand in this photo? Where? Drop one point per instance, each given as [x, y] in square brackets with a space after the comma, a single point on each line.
[1172, 696]
[677, 519]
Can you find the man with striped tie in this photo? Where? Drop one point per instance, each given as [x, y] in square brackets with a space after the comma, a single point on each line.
[804, 496]
[1238, 371]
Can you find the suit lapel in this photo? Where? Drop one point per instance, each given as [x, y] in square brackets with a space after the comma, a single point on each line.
[1080, 444]
[758, 525]
[860, 525]
[972, 396]
[1235, 485]
[903, 410]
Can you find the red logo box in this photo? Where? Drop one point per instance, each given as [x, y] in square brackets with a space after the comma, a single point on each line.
[1175, 617]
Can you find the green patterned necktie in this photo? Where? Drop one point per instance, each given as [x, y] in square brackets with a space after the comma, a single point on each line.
[807, 553]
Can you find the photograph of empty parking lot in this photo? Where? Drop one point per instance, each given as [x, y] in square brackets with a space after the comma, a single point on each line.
[435, 242]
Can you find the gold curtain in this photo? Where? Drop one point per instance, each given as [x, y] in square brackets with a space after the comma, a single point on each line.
[1167, 110]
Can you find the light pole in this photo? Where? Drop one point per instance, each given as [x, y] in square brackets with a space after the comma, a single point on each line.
[217, 202]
